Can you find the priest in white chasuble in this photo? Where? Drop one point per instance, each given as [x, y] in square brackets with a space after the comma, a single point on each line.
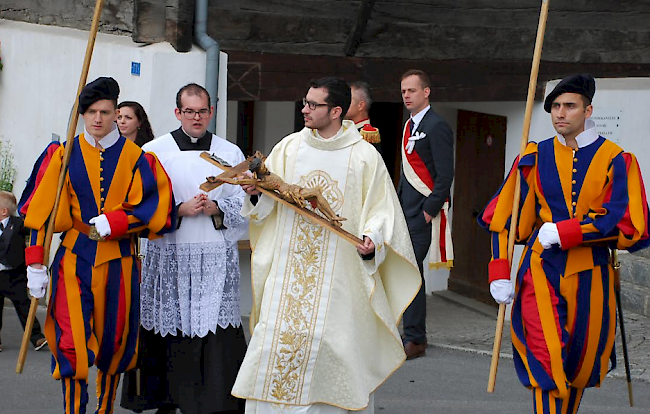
[325, 312]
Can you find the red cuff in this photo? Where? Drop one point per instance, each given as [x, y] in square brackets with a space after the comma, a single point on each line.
[570, 233]
[499, 269]
[119, 223]
[34, 254]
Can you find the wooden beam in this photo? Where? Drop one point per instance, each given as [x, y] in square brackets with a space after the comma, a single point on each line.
[498, 31]
[285, 77]
[148, 21]
[179, 24]
[356, 35]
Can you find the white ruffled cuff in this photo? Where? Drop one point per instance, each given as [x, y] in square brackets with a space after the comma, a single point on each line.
[259, 211]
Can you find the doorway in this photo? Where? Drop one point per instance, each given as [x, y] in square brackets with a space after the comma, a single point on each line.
[480, 160]
[388, 117]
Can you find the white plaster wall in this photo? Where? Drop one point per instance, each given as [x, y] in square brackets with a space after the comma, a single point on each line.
[632, 97]
[232, 122]
[42, 66]
[273, 121]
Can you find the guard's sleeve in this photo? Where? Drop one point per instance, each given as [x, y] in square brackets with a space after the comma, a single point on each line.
[37, 201]
[36, 176]
[497, 216]
[149, 207]
[621, 211]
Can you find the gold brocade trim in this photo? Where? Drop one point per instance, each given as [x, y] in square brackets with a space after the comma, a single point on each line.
[302, 289]
[298, 309]
[442, 265]
[372, 137]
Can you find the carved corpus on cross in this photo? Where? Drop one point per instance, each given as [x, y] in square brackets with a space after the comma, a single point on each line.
[290, 195]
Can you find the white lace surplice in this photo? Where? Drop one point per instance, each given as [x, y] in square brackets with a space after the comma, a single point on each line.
[190, 278]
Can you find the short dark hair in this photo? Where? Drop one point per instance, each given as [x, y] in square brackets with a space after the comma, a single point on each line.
[145, 133]
[191, 89]
[338, 92]
[424, 78]
[364, 88]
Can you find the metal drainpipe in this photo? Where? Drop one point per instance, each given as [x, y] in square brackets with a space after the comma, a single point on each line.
[212, 50]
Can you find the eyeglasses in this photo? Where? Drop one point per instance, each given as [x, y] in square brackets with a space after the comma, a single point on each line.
[312, 105]
[191, 114]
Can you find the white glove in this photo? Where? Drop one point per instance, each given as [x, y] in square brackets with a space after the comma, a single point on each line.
[37, 281]
[548, 235]
[102, 225]
[502, 291]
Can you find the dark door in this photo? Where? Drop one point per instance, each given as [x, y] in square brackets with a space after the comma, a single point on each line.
[480, 161]
[388, 118]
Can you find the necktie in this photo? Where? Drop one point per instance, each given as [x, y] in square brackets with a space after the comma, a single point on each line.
[2, 226]
[411, 127]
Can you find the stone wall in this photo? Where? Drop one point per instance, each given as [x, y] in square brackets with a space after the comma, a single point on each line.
[117, 15]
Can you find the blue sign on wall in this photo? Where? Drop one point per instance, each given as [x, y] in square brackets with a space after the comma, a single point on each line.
[135, 68]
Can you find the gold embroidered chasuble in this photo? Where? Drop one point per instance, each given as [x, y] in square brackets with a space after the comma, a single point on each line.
[324, 321]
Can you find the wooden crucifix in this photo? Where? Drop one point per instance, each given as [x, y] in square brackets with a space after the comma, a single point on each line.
[230, 175]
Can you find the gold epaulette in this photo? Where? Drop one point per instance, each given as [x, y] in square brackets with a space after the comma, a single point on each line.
[370, 134]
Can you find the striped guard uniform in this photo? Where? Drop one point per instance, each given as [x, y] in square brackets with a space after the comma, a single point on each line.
[564, 312]
[93, 313]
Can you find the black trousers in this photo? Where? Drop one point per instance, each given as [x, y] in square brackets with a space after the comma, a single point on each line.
[414, 319]
[13, 285]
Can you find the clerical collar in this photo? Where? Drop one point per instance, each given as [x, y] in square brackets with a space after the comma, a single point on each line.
[186, 142]
[108, 141]
[194, 140]
[417, 118]
[586, 137]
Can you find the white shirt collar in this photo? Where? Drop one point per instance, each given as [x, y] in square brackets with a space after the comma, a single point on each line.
[417, 118]
[109, 140]
[586, 137]
[5, 222]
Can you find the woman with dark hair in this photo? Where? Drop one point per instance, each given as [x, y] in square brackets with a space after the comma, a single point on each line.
[133, 122]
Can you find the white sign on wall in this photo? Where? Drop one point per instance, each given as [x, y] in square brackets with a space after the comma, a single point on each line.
[609, 123]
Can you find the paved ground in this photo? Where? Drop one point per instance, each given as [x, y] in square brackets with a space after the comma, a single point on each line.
[455, 322]
[451, 379]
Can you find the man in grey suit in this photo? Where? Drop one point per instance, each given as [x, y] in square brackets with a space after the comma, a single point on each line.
[424, 187]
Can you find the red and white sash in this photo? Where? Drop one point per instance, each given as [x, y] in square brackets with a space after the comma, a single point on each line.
[441, 252]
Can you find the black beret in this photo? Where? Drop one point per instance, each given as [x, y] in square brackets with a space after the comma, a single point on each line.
[583, 84]
[100, 88]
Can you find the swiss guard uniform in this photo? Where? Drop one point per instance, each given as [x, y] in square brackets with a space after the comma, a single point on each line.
[369, 133]
[93, 312]
[564, 310]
